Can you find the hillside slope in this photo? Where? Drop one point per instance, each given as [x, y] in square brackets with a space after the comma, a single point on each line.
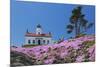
[73, 50]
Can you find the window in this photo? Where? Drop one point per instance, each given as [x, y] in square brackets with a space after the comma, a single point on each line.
[33, 41]
[29, 41]
[47, 41]
[44, 41]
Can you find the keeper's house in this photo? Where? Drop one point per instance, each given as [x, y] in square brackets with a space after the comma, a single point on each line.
[38, 38]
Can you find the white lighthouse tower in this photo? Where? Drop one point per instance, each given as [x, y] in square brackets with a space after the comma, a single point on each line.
[38, 29]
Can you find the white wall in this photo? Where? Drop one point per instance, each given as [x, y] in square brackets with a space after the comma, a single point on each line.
[38, 30]
[36, 38]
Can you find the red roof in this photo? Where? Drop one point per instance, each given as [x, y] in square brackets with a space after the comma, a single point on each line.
[37, 35]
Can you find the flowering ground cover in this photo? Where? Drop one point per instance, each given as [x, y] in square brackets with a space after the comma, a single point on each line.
[74, 50]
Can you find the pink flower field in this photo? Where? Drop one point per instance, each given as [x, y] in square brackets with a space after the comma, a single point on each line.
[74, 50]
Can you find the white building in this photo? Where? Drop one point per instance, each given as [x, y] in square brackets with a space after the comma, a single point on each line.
[38, 38]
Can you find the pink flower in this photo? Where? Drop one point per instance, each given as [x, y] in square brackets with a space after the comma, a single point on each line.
[48, 61]
[80, 58]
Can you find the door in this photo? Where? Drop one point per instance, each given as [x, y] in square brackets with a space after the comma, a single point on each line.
[39, 42]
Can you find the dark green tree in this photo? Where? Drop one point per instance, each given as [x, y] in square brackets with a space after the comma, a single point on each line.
[78, 23]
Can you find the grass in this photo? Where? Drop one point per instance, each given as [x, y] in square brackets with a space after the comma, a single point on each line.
[29, 46]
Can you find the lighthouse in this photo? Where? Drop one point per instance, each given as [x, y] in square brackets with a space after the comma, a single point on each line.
[38, 29]
[38, 37]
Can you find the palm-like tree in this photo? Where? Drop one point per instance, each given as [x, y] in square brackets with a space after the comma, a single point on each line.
[78, 22]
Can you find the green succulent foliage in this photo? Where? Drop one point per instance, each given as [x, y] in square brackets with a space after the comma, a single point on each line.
[19, 59]
[88, 43]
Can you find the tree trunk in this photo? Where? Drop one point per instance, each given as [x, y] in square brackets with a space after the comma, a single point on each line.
[76, 30]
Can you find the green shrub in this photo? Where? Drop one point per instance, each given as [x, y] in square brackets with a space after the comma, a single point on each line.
[80, 35]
